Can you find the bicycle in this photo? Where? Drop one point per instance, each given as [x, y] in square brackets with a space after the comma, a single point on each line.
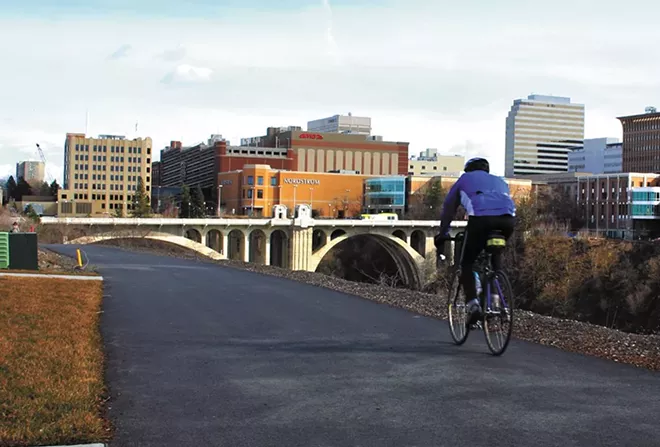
[495, 307]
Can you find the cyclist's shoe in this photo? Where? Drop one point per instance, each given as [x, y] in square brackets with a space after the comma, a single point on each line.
[473, 312]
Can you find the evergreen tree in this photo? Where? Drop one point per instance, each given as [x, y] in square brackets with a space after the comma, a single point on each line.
[141, 205]
[198, 208]
[54, 188]
[433, 199]
[11, 187]
[44, 190]
[30, 212]
[185, 201]
[22, 189]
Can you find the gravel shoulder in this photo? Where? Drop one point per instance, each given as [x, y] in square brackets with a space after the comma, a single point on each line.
[55, 263]
[569, 335]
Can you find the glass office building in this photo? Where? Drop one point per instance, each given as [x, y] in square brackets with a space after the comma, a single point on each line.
[385, 195]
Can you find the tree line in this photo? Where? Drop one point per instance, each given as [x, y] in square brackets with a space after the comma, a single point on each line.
[17, 190]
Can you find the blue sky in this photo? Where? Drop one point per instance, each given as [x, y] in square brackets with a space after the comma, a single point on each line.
[435, 73]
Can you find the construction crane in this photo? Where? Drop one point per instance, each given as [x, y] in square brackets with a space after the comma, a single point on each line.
[43, 160]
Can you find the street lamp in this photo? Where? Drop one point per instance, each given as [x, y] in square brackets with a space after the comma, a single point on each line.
[295, 188]
[252, 206]
[219, 198]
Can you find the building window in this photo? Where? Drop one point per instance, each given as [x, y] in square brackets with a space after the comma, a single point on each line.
[249, 193]
[250, 180]
[273, 181]
[260, 193]
[260, 180]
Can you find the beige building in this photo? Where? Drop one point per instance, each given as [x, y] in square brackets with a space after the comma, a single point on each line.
[33, 172]
[518, 187]
[540, 132]
[436, 165]
[101, 174]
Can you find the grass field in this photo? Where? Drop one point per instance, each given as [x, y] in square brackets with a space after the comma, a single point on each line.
[51, 362]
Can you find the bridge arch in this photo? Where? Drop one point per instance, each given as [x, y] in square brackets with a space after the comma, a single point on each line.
[214, 240]
[337, 233]
[236, 245]
[401, 235]
[418, 242]
[157, 236]
[319, 239]
[408, 262]
[194, 235]
[279, 249]
[257, 247]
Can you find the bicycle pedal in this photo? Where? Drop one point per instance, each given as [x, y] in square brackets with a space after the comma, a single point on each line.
[476, 326]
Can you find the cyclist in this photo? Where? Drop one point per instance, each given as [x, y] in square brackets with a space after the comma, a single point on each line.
[489, 205]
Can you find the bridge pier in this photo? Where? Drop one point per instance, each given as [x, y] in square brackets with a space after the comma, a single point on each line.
[300, 248]
[225, 244]
[246, 247]
[267, 250]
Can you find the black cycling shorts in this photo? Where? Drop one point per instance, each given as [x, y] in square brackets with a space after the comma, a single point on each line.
[478, 230]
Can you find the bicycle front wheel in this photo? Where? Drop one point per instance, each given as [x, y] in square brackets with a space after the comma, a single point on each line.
[456, 310]
[498, 318]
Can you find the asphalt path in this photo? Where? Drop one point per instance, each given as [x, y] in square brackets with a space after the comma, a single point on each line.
[201, 355]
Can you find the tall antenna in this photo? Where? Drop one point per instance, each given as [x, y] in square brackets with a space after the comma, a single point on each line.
[86, 121]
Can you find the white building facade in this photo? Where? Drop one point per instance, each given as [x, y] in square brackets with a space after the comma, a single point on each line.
[540, 132]
[597, 156]
[358, 125]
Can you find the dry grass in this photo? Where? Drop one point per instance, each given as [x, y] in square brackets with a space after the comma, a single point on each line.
[51, 362]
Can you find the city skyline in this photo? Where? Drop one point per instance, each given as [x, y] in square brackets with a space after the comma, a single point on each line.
[443, 86]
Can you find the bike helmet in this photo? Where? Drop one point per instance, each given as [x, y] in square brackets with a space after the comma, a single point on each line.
[477, 164]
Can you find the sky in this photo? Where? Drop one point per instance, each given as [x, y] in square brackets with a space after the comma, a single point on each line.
[435, 73]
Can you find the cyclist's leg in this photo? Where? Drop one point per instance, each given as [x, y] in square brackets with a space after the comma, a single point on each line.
[506, 225]
[474, 242]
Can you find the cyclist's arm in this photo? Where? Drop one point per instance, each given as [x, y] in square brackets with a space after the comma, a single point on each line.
[449, 207]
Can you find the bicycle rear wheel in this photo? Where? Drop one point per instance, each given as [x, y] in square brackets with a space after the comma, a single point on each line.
[498, 318]
[456, 310]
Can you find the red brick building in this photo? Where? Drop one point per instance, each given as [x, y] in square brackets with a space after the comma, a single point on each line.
[295, 150]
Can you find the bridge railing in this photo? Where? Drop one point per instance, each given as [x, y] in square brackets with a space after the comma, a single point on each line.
[245, 222]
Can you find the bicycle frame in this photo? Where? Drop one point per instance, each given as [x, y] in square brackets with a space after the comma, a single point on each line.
[485, 269]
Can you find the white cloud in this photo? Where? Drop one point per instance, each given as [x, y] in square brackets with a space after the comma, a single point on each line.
[333, 48]
[174, 55]
[121, 52]
[440, 76]
[187, 74]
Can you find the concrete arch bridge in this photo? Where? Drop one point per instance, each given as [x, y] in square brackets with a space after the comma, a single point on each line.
[297, 244]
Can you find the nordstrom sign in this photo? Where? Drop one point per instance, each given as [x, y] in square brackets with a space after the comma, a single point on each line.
[302, 181]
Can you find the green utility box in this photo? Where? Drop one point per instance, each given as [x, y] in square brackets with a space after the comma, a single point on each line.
[4, 250]
[23, 251]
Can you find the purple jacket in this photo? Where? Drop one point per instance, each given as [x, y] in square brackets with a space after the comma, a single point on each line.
[481, 194]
